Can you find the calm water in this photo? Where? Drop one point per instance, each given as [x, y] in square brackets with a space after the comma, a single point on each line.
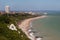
[48, 27]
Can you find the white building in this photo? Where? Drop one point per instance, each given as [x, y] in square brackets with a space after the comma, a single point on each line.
[33, 13]
[38, 38]
[30, 12]
[32, 36]
[45, 13]
[7, 9]
[29, 30]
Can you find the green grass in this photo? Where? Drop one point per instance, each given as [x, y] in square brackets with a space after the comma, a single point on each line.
[7, 19]
[7, 34]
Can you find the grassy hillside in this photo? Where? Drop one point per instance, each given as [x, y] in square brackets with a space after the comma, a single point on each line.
[7, 19]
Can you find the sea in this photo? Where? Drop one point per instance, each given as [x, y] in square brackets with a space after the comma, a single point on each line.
[49, 27]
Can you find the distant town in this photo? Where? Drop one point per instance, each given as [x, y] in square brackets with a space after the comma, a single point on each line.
[8, 11]
[15, 21]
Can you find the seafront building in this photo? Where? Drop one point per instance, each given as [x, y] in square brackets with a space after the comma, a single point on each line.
[45, 13]
[7, 9]
[30, 12]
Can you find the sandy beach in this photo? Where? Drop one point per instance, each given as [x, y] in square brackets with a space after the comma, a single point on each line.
[25, 25]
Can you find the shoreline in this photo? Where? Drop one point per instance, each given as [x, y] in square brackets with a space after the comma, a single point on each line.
[25, 26]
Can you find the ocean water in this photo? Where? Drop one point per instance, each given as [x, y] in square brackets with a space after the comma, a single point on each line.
[49, 27]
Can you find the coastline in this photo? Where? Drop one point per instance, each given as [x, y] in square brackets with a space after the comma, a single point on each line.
[25, 26]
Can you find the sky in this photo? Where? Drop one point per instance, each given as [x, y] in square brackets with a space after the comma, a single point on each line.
[30, 4]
